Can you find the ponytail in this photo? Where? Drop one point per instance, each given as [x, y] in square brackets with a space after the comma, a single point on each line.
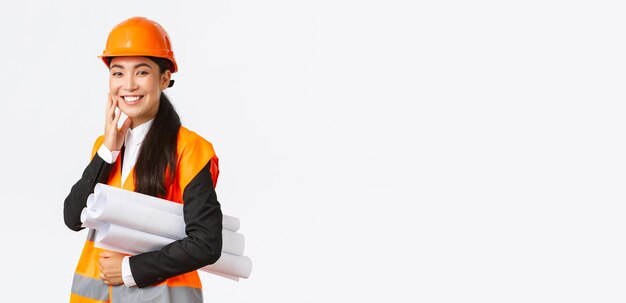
[156, 164]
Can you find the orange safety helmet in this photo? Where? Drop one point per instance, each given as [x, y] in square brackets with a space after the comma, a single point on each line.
[139, 36]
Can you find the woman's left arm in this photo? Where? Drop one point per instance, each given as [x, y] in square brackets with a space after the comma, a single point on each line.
[201, 247]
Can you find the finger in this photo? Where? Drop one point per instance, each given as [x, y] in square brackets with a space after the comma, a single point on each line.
[110, 103]
[113, 105]
[117, 116]
[109, 100]
[110, 113]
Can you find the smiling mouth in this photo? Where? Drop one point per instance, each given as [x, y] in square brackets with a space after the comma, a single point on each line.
[131, 99]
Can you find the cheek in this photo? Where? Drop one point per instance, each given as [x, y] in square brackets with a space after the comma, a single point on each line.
[114, 85]
[152, 90]
[149, 84]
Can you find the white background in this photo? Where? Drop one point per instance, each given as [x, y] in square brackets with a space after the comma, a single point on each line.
[389, 151]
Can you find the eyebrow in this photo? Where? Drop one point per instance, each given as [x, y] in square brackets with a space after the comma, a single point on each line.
[136, 66]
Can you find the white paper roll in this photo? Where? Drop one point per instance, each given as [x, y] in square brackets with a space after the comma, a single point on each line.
[135, 223]
[87, 217]
[91, 201]
[126, 197]
[239, 266]
[123, 239]
[232, 242]
[136, 216]
[128, 240]
[230, 223]
[120, 194]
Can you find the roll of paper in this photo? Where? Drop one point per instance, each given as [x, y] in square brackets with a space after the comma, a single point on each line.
[87, 217]
[116, 194]
[134, 223]
[232, 242]
[238, 266]
[139, 217]
[127, 240]
[132, 241]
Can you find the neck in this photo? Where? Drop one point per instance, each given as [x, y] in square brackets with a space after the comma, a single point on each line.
[138, 122]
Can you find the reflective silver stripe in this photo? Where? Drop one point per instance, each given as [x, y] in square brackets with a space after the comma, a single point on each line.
[90, 288]
[91, 236]
[156, 294]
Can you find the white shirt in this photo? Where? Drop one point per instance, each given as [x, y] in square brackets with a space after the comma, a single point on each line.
[132, 142]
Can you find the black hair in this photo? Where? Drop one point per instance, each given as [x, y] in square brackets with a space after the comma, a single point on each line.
[156, 164]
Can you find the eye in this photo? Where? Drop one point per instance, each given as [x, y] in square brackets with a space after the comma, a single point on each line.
[142, 73]
[116, 74]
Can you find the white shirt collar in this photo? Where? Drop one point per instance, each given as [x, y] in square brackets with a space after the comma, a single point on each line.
[135, 136]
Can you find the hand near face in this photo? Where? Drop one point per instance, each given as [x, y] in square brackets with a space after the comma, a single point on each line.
[114, 137]
[111, 267]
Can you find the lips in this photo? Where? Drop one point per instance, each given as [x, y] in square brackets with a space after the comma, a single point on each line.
[132, 99]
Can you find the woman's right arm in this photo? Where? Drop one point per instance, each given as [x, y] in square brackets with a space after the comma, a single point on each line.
[96, 172]
[98, 169]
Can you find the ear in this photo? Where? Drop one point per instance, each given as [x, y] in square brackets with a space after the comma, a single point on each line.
[165, 79]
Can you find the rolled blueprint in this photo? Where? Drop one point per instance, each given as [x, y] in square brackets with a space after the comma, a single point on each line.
[122, 195]
[135, 223]
[118, 195]
[127, 240]
[232, 242]
[151, 220]
[230, 223]
[87, 217]
[132, 241]
[238, 266]
[126, 214]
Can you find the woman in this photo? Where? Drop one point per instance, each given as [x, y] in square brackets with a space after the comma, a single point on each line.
[152, 154]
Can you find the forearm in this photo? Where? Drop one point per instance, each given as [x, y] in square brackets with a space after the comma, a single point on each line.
[203, 244]
[96, 172]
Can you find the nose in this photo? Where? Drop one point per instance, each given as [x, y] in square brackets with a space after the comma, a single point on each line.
[130, 84]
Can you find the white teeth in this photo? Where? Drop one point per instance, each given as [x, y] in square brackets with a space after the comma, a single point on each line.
[131, 99]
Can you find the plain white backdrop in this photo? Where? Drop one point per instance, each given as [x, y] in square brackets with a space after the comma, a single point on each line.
[379, 151]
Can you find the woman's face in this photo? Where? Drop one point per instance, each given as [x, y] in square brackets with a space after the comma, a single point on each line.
[136, 82]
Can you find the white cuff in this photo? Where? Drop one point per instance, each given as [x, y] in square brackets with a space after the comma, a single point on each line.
[127, 275]
[107, 155]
